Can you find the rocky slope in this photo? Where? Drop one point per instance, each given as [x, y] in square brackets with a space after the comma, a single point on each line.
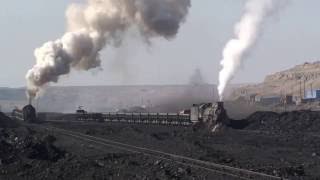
[290, 81]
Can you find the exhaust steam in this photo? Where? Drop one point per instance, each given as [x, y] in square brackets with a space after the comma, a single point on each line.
[97, 24]
[247, 31]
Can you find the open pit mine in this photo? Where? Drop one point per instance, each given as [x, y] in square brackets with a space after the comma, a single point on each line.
[201, 142]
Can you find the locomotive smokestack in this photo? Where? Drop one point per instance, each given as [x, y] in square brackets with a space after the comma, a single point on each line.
[29, 101]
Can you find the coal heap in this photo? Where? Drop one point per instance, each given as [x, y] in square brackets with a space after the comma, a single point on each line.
[6, 122]
[21, 143]
[296, 121]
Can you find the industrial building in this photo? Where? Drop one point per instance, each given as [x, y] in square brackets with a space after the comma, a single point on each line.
[311, 96]
[271, 99]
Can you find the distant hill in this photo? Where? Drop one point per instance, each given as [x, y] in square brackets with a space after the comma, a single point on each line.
[291, 81]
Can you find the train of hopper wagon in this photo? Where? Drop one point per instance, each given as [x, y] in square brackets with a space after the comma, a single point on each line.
[209, 114]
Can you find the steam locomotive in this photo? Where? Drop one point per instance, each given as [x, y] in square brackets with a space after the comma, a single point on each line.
[211, 116]
[27, 114]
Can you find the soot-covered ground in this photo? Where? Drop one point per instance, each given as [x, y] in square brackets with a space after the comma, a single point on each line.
[286, 145]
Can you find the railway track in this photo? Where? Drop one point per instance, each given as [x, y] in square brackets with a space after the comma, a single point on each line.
[224, 170]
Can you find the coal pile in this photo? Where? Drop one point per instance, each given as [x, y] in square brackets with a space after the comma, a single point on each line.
[21, 150]
[6, 122]
[285, 145]
[288, 122]
[21, 143]
[28, 153]
[126, 166]
[41, 165]
[44, 150]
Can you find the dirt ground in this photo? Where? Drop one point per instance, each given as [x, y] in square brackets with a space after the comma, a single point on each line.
[286, 145]
[36, 154]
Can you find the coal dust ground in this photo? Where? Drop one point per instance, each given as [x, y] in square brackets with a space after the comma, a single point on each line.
[285, 145]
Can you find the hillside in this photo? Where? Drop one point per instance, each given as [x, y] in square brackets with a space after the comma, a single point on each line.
[291, 81]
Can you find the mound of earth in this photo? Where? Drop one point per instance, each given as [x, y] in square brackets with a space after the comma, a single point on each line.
[21, 143]
[285, 145]
[296, 121]
[6, 122]
[29, 154]
[288, 80]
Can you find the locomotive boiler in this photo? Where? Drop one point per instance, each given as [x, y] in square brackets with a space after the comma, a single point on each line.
[27, 114]
[211, 116]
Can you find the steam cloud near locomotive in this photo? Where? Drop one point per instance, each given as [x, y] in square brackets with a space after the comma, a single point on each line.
[97, 24]
[247, 32]
[145, 141]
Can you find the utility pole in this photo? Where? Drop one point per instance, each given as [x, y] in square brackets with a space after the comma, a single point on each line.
[285, 103]
[311, 90]
[300, 89]
[304, 87]
[213, 92]
[37, 106]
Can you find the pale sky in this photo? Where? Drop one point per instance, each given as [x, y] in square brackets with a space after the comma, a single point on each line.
[292, 37]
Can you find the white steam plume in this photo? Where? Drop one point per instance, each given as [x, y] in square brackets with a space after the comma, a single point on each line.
[98, 23]
[246, 32]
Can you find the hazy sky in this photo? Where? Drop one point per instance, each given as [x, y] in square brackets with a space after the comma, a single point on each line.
[292, 37]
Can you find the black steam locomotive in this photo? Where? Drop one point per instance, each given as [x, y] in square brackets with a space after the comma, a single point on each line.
[27, 114]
